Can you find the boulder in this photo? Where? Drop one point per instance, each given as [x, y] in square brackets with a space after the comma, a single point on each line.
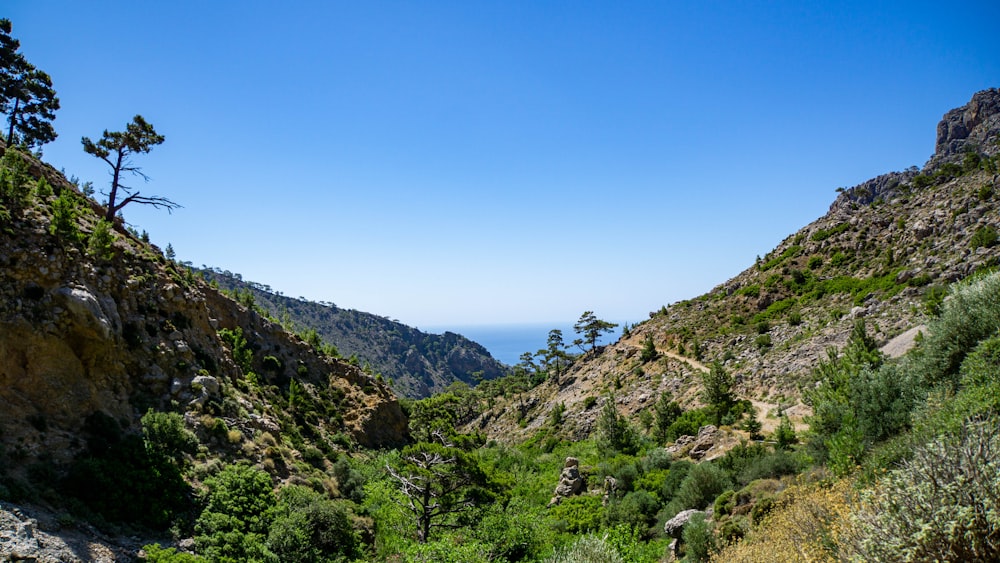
[703, 442]
[571, 483]
[675, 525]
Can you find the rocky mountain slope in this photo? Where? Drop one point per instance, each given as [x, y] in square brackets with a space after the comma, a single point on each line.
[94, 332]
[882, 253]
[418, 364]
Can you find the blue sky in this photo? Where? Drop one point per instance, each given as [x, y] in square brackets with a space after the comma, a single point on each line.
[464, 163]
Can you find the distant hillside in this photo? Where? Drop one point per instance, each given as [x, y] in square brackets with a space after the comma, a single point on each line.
[419, 364]
[883, 253]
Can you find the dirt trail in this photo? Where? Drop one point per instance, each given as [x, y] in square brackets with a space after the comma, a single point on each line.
[693, 363]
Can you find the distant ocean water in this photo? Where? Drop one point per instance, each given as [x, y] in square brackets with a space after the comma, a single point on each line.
[507, 342]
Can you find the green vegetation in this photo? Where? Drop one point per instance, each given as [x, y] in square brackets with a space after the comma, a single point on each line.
[26, 95]
[591, 328]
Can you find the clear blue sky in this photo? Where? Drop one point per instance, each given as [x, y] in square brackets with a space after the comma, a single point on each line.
[462, 163]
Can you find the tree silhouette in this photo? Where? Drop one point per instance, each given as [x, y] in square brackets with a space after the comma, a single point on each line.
[591, 328]
[115, 148]
[26, 95]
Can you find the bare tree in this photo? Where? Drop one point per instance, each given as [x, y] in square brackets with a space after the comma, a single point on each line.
[115, 148]
[439, 481]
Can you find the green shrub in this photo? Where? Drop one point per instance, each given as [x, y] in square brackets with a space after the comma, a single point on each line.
[15, 186]
[648, 353]
[157, 554]
[124, 479]
[940, 506]
[587, 549]
[166, 434]
[42, 188]
[985, 236]
[447, 550]
[985, 192]
[823, 234]
[100, 243]
[784, 434]
[762, 342]
[688, 423]
[64, 215]
[971, 315]
[636, 509]
[614, 431]
[239, 508]
[702, 484]
[309, 527]
[512, 533]
[578, 514]
[699, 539]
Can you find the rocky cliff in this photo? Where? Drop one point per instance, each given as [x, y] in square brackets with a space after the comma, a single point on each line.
[883, 253]
[118, 329]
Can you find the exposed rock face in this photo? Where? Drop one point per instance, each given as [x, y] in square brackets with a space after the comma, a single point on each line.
[703, 442]
[571, 483]
[695, 446]
[79, 335]
[971, 125]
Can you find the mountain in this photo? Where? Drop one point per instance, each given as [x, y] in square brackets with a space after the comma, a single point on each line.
[882, 253]
[417, 363]
[98, 328]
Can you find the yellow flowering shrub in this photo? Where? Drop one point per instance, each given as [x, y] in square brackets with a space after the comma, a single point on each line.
[803, 526]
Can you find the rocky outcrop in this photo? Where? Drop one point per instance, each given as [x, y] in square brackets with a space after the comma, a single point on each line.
[31, 539]
[81, 335]
[571, 482]
[696, 447]
[972, 126]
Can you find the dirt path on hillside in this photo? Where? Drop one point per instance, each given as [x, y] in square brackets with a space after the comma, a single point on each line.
[768, 423]
[693, 363]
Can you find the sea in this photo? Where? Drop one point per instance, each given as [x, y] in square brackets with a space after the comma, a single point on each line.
[506, 342]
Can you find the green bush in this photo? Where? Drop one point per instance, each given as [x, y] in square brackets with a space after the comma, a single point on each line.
[985, 236]
[309, 527]
[101, 241]
[446, 550]
[940, 506]
[15, 186]
[166, 434]
[124, 479]
[699, 539]
[702, 484]
[579, 514]
[784, 434]
[614, 431]
[823, 234]
[636, 509]
[157, 554]
[587, 549]
[512, 533]
[971, 315]
[688, 423]
[64, 215]
[239, 508]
